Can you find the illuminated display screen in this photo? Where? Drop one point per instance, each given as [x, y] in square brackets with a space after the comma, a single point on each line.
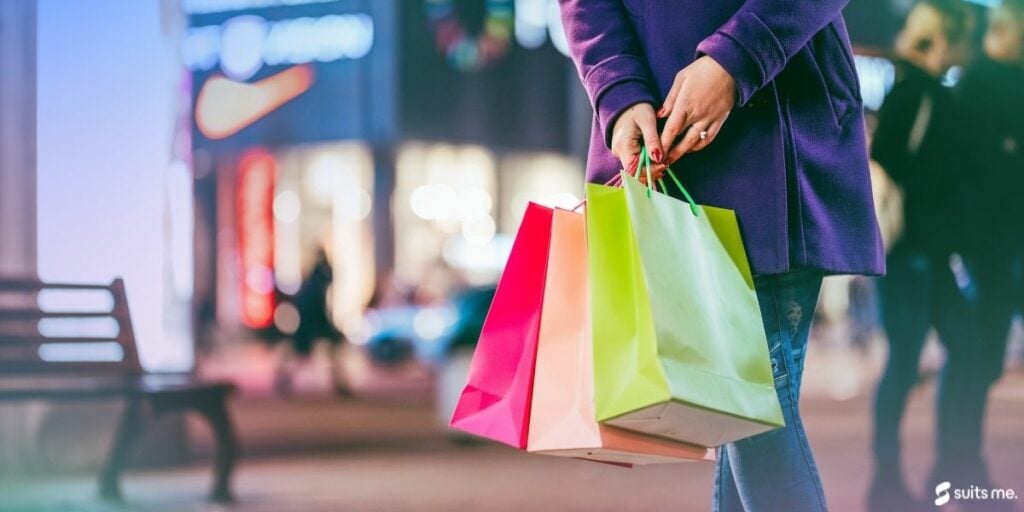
[283, 72]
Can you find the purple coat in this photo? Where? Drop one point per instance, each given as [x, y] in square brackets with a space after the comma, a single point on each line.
[791, 160]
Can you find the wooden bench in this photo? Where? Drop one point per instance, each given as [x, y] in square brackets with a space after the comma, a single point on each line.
[41, 360]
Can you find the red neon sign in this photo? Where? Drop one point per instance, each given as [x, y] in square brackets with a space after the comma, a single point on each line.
[254, 203]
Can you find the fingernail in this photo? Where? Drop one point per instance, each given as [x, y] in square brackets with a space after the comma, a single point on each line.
[656, 155]
[662, 112]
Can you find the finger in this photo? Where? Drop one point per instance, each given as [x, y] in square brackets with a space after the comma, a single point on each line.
[670, 100]
[712, 130]
[658, 171]
[697, 133]
[649, 129]
[677, 122]
[641, 173]
[632, 163]
[673, 155]
[626, 137]
[627, 149]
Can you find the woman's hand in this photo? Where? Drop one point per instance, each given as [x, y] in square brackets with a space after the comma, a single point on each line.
[700, 100]
[635, 128]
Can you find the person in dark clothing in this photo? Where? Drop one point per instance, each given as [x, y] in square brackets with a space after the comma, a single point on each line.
[311, 301]
[314, 324]
[992, 91]
[916, 142]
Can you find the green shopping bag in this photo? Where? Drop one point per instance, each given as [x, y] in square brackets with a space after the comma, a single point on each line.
[679, 346]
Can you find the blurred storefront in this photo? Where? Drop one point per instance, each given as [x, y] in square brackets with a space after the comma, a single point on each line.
[402, 138]
[492, 115]
[291, 100]
[275, 211]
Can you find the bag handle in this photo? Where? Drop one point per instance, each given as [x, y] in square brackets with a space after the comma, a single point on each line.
[615, 181]
[645, 159]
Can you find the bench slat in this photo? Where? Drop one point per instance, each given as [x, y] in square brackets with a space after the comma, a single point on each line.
[30, 387]
[22, 340]
[33, 285]
[36, 314]
[78, 348]
[37, 366]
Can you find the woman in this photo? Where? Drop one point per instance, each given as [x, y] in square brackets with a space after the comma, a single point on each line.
[761, 114]
[918, 142]
[314, 323]
[993, 91]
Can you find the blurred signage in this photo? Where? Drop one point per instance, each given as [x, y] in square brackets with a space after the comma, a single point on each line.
[243, 44]
[531, 21]
[254, 222]
[225, 107]
[208, 6]
[277, 73]
[464, 50]
[503, 90]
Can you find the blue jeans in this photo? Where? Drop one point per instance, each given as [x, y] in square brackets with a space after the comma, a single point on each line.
[775, 470]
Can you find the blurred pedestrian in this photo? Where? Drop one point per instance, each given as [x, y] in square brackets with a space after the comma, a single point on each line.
[917, 143]
[314, 324]
[757, 104]
[993, 91]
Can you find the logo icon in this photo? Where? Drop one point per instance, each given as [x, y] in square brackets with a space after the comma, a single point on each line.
[942, 494]
[224, 106]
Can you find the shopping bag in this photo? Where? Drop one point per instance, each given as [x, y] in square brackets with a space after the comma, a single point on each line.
[495, 402]
[562, 412]
[679, 346]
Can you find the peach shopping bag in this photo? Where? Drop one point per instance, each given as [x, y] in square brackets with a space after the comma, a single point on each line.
[562, 417]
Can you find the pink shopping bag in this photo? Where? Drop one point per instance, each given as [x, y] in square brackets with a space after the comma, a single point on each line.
[496, 400]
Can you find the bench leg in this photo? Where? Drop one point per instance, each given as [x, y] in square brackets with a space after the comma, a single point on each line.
[127, 432]
[216, 413]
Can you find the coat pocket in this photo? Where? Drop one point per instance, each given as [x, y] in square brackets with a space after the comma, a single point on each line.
[843, 48]
[635, 8]
[834, 67]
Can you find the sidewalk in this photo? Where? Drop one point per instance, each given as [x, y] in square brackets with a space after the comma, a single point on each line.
[320, 455]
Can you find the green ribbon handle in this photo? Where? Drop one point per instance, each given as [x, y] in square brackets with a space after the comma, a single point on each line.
[646, 162]
[646, 158]
[693, 204]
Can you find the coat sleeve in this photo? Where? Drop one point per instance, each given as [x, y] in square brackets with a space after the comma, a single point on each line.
[755, 44]
[611, 63]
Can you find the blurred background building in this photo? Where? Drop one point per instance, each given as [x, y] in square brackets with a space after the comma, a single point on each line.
[209, 150]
